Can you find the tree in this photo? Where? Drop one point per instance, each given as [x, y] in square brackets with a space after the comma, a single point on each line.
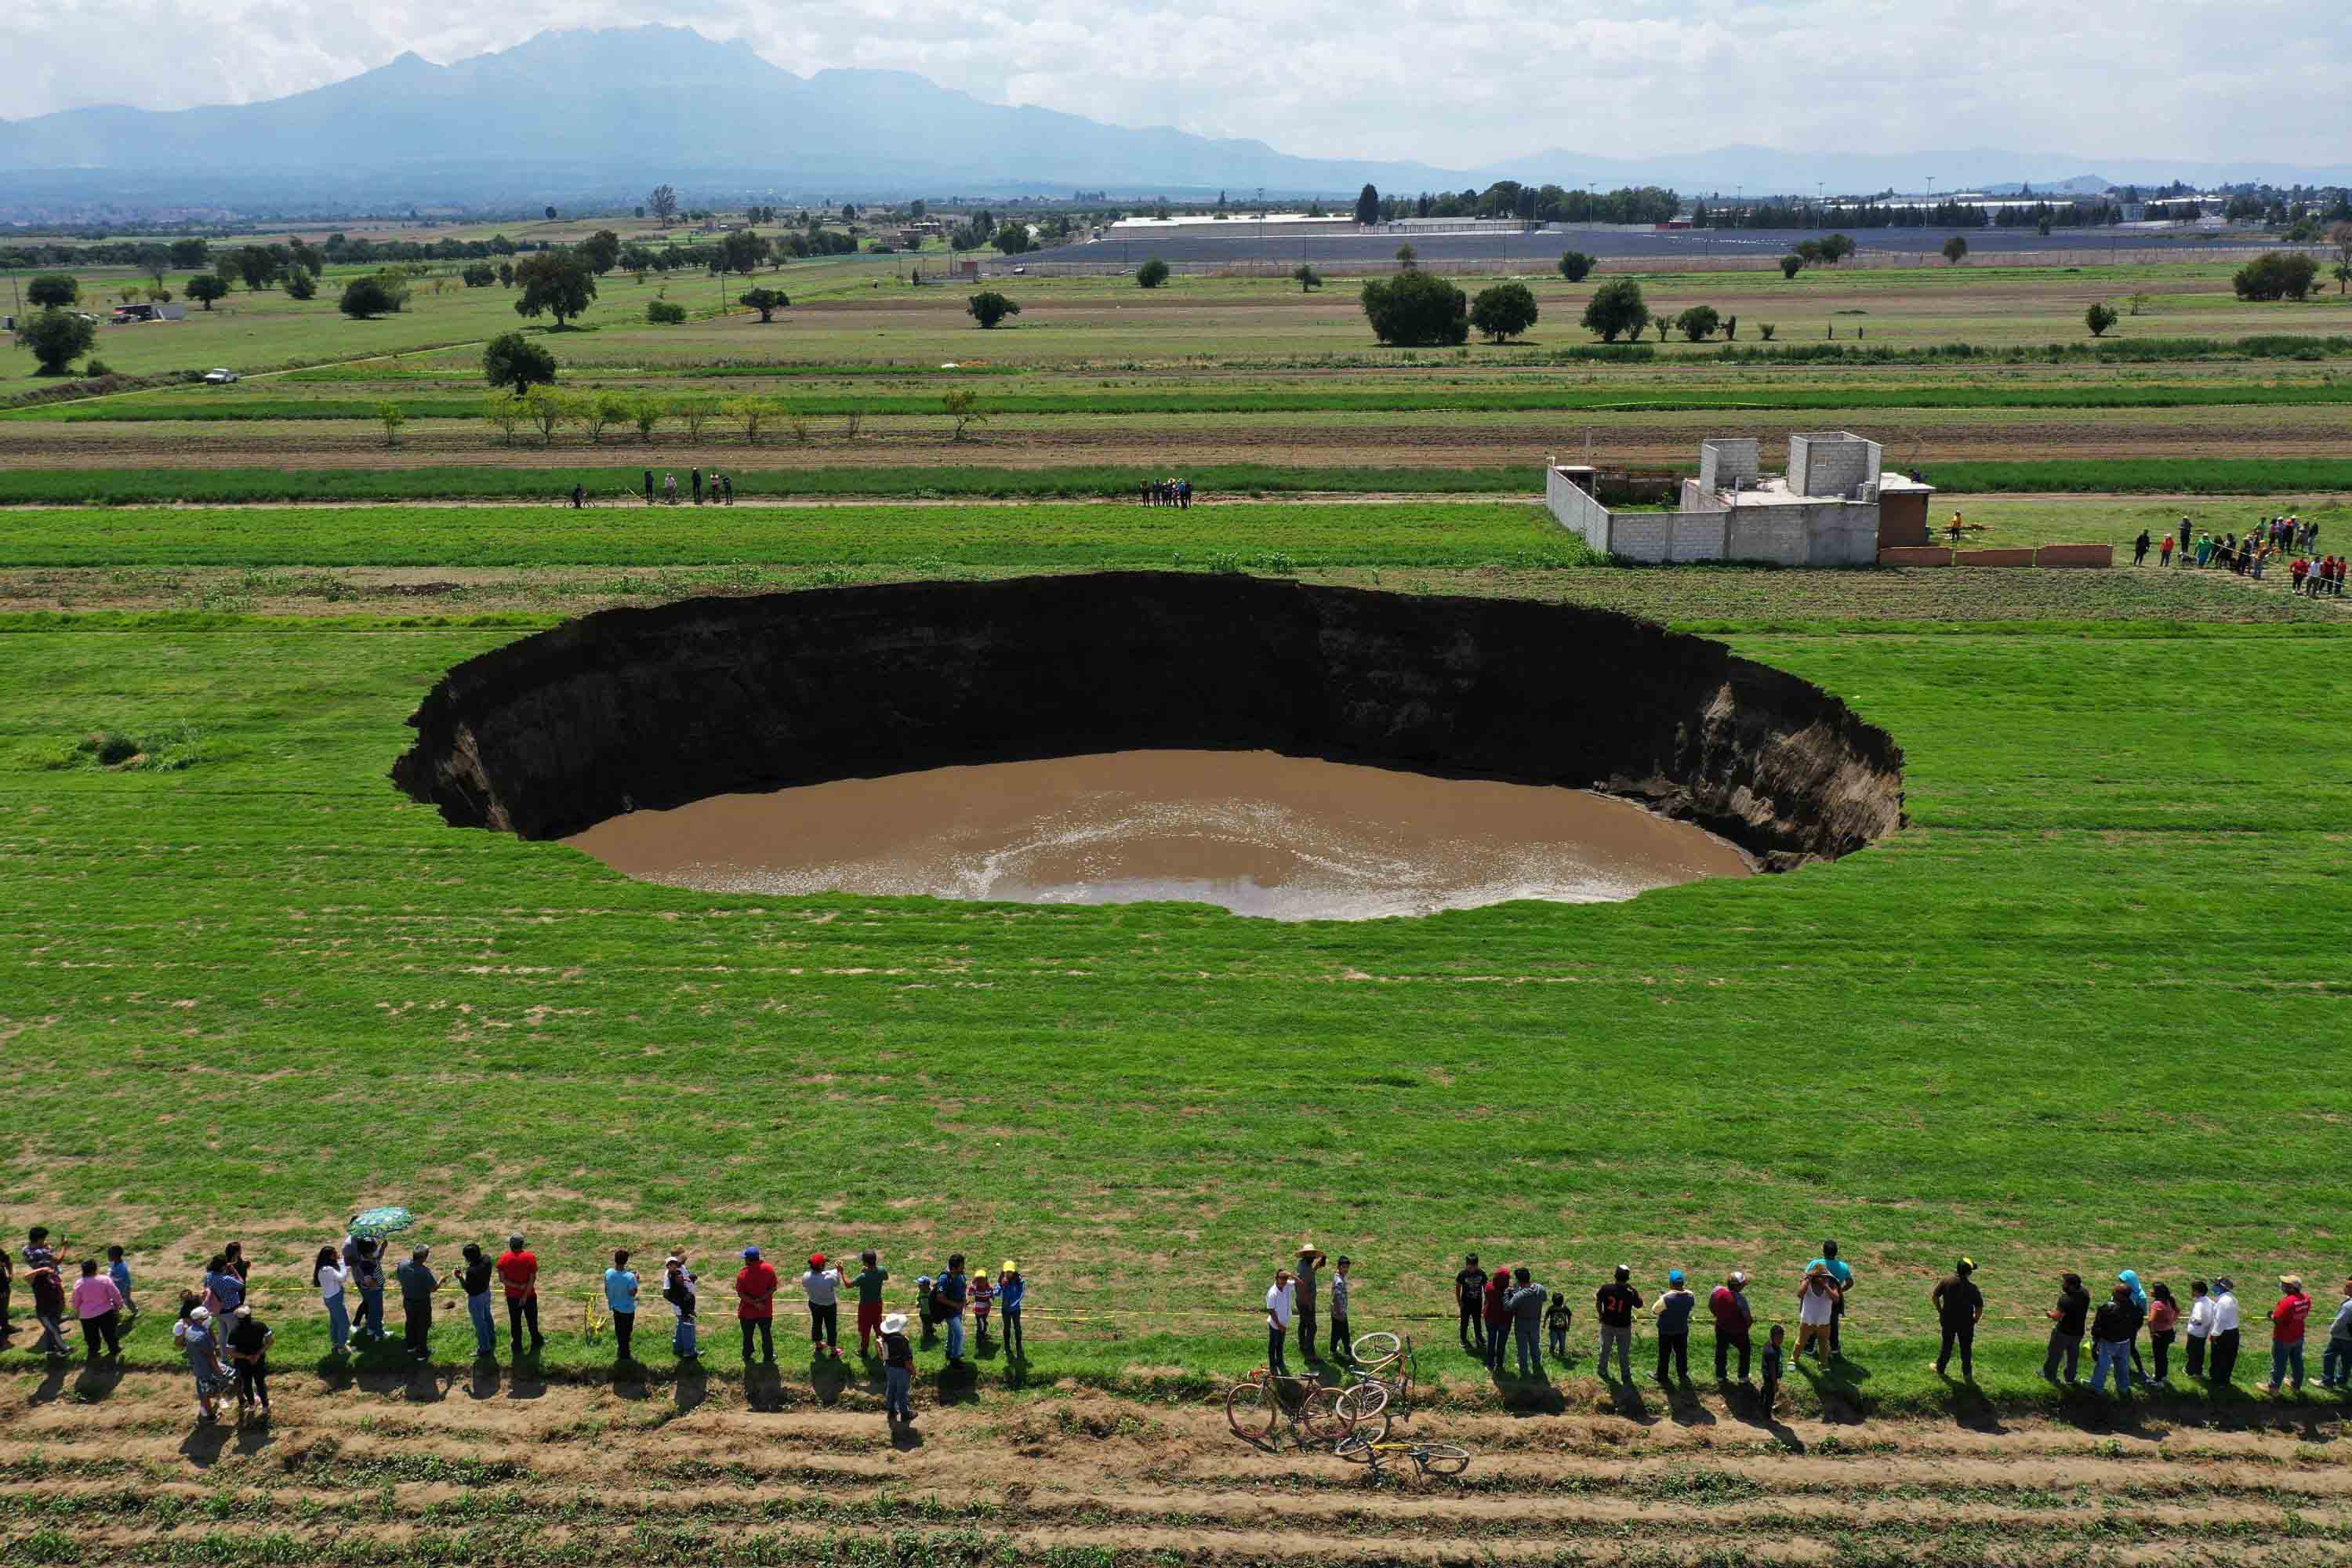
[752, 412]
[601, 249]
[391, 417]
[53, 290]
[767, 301]
[480, 274]
[1503, 311]
[665, 312]
[1836, 248]
[2275, 276]
[1791, 264]
[506, 274]
[2099, 318]
[1306, 277]
[204, 288]
[258, 264]
[1615, 309]
[557, 282]
[57, 338]
[550, 215]
[1575, 265]
[154, 260]
[2339, 235]
[511, 360]
[1013, 239]
[1151, 274]
[1415, 308]
[503, 414]
[742, 251]
[190, 253]
[546, 407]
[990, 308]
[1407, 257]
[664, 202]
[1765, 330]
[962, 406]
[1368, 206]
[593, 410]
[1954, 249]
[300, 285]
[646, 412]
[1698, 323]
[372, 295]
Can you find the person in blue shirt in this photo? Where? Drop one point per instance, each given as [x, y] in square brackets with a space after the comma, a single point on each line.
[1010, 1290]
[1674, 1311]
[1841, 1275]
[947, 1302]
[224, 1288]
[119, 1272]
[621, 1297]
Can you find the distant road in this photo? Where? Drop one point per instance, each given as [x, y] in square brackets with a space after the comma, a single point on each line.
[1233, 242]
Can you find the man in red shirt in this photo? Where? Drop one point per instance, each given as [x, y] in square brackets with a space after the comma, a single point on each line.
[2288, 1322]
[519, 1266]
[1733, 1319]
[755, 1306]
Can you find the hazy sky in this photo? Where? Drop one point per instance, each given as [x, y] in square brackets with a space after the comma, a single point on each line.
[1455, 82]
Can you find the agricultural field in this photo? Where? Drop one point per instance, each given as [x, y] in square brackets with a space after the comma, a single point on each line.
[2079, 1012]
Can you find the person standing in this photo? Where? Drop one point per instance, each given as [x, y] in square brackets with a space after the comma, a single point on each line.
[2164, 550]
[1342, 1338]
[869, 1282]
[1527, 1302]
[7, 1282]
[898, 1370]
[475, 1279]
[1469, 1292]
[2112, 1328]
[249, 1339]
[1614, 1304]
[99, 1306]
[579, 496]
[2140, 548]
[1280, 1308]
[2163, 1323]
[1959, 1308]
[2288, 1321]
[203, 1360]
[1558, 1319]
[822, 1285]
[698, 487]
[1817, 1312]
[948, 1293]
[1310, 1258]
[621, 1284]
[2066, 1319]
[367, 1274]
[118, 1270]
[1772, 1358]
[1495, 1308]
[755, 1304]
[330, 1278]
[2336, 1364]
[677, 1289]
[2200, 1325]
[1012, 1290]
[1733, 1324]
[649, 487]
[728, 480]
[1842, 1286]
[223, 1289]
[1674, 1308]
[2222, 1367]
[49, 1305]
[418, 1283]
[519, 1272]
[669, 489]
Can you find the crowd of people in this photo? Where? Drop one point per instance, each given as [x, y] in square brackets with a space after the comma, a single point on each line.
[721, 487]
[1166, 492]
[226, 1343]
[2263, 547]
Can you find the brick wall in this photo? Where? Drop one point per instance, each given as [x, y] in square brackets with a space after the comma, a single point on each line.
[1830, 464]
[2075, 555]
[1726, 462]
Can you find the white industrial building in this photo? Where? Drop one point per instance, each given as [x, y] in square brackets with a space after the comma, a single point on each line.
[1835, 507]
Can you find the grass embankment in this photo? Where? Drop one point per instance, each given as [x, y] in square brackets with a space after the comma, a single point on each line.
[1936, 1046]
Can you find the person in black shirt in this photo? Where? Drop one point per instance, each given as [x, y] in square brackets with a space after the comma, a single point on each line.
[1616, 1303]
[2111, 1336]
[897, 1369]
[1959, 1306]
[2066, 1331]
[248, 1354]
[475, 1279]
[1469, 1300]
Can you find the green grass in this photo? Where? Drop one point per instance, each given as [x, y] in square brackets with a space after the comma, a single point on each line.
[309, 992]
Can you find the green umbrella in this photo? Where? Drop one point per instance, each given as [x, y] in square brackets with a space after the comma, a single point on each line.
[381, 1222]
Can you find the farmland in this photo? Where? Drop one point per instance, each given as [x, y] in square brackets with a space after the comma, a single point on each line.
[2079, 1012]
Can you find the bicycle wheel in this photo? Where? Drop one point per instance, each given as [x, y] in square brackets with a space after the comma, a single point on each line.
[1442, 1458]
[1323, 1417]
[1250, 1411]
[1366, 1406]
[1356, 1448]
[1376, 1348]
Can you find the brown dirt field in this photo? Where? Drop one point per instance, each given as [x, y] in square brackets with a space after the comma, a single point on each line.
[708, 1469]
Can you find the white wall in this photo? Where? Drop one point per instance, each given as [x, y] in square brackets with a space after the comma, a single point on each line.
[1575, 509]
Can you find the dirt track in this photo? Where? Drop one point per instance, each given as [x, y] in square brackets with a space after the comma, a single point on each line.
[495, 1471]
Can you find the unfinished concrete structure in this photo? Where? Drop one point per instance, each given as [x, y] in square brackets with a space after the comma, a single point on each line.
[1835, 507]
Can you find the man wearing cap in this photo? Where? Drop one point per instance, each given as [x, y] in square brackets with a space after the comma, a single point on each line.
[418, 1283]
[1614, 1304]
[1959, 1307]
[869, 1282]
[948, 1293]
[1733, 1319]
[898, 1370]
[823, 1284]
[1527, 1302]
[519, 1272]
[1842, 1282]
[1281, 1306]
[1310, 1258]
[2288, 1321]
[1674, 1309]
[755, 1304]
[2222, 1359]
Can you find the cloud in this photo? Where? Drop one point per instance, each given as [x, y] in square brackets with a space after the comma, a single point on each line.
[1453, 83]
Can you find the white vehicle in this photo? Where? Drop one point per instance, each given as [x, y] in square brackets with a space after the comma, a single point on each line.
[219, 376]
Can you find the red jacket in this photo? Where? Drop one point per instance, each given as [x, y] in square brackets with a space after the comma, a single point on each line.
[520, 1272]
[756, 1287]
[2288, 1318]
[1498, 1290]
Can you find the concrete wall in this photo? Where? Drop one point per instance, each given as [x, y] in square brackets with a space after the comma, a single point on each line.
[1832, 463]
[1661, 538]
[1576, 510]
[1727, 462]
[2015, 556]
[2075, 555]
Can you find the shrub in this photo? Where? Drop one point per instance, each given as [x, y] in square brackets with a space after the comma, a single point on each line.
[962, 406]
[1504, 311]
[1616, 309]
[1698, 322]
[373, 295]
[1791, 264]
[2099, 318]
[480, 274]
[665, 312]
[1151, 274]
[2275, 277]
[1306, 277]
[300, 284]
[97, 367]
[991, 307]
[1575, 265]
[1955, 248]
[1765, 330]
[1415, 308]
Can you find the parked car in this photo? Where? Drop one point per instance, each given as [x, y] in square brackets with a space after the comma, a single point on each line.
[221, 376]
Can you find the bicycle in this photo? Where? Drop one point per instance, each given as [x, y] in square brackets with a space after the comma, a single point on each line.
[1261, 1407]
[1387, 1363]
[594, 1319]
[1428, 1459]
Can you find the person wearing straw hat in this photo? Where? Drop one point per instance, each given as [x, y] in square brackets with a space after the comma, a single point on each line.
[1011, 1291]
[1310, 1258]
[1959, 1308]
[897, 1371]
[2289, 1320]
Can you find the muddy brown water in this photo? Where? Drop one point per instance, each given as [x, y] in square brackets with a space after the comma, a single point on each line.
[1282, 837]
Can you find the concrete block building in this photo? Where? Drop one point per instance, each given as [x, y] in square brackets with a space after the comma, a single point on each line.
[1834, 507]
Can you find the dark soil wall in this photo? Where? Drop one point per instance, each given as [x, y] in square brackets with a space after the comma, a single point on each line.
[631, 708]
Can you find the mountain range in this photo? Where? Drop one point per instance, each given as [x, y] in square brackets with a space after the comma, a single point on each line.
[603, 114]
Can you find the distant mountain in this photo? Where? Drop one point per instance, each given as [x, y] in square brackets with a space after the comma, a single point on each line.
[603, 114]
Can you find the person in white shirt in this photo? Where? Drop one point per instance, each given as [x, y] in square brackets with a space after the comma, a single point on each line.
[2225, 1361]
[1281, 1306]
[2336, 1364]
[329, 1274]
[2200, 1325]
[822, 1283]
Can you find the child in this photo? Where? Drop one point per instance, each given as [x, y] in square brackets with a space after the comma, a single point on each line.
[1557, 1319]
[1772, 1368]
[119, 1272]
[898, 1370]
[1010, 1290]
[923, 1287]
[982, 1296]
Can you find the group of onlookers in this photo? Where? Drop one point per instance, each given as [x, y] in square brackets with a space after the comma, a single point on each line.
[2253, 554]
[2213, 1328]
[1166, 492]
[721, 487]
